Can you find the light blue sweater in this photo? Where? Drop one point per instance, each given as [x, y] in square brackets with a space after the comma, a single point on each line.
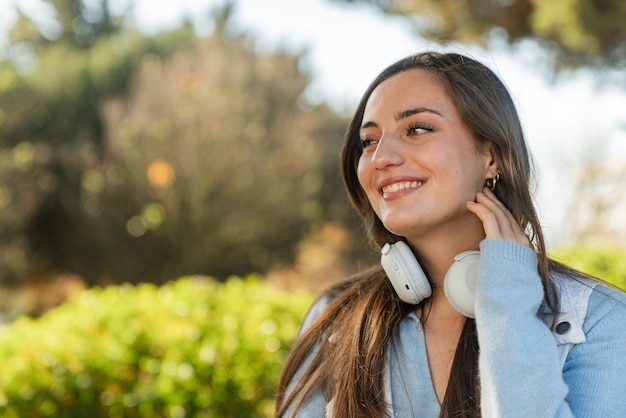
[521, 374]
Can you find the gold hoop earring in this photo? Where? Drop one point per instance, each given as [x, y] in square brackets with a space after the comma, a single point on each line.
[491, 183]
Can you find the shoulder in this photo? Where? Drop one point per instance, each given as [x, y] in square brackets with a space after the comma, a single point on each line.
[588, 303]
[319, 305]
[592, 368]
[327, 297]
[606, 305]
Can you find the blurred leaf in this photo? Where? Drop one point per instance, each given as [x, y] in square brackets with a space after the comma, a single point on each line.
[140, 158]
[605, 262]
[578, 32]
[190, 348]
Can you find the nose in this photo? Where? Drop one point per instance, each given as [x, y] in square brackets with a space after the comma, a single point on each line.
[387, 153]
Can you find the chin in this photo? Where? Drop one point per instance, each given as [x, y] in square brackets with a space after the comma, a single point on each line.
[420, 226]
[401, 228]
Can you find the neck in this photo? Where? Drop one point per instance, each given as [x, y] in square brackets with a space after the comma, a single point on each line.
[436, 252]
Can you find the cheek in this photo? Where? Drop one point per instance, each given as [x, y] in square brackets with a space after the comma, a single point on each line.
[364, 173]
[468, 181]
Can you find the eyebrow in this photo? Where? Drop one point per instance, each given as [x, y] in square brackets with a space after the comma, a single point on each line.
[410, 112]
[405, 114]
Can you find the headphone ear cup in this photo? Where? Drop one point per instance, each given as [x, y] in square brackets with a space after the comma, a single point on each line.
[460, 282]
[405, 273]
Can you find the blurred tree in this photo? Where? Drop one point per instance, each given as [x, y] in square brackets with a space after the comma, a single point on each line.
[52, 128]
[579, 32]
[78, 23]
[596, 215]
[121, 162]
[51, 131]
[219, 164]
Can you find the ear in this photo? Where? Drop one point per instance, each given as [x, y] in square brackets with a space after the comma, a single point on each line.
[490, 163]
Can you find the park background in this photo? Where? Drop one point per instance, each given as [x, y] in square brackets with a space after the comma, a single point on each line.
[170, 198]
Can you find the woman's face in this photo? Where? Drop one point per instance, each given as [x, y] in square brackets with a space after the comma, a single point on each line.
[420, 162]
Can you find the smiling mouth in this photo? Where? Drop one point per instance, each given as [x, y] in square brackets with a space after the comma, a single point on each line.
[403, 185]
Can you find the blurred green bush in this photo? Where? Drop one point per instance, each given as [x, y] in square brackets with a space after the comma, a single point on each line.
[605, 262]
[190, 348]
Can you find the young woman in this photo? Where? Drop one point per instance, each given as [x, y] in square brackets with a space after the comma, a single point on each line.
[435, 157]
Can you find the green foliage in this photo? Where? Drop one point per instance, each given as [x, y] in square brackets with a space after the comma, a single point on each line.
[606, 263]
[578, 32]
[223, 169]
[135, 158]
[191, 348]
[77, 23]
[51, 131]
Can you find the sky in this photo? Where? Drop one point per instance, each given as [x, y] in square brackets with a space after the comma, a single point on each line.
[567, 121]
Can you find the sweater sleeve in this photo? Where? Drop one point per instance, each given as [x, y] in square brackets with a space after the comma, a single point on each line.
[520, 371]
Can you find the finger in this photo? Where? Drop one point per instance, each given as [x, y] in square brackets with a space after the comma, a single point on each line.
[493, 198]
[488, 219]
[517, 230]
[510, 228]
[499, 211]
[493, 210]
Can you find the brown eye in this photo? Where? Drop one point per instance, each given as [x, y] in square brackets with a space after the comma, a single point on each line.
[419, 129]
[368, 142]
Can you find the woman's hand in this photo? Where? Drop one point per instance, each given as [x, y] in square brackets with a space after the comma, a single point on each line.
[497, 220]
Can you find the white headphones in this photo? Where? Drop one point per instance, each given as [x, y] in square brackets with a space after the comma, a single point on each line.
[412, 286]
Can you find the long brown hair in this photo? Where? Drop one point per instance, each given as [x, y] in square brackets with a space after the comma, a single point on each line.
[364, 311]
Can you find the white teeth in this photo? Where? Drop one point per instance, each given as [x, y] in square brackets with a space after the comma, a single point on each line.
[396, 187]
